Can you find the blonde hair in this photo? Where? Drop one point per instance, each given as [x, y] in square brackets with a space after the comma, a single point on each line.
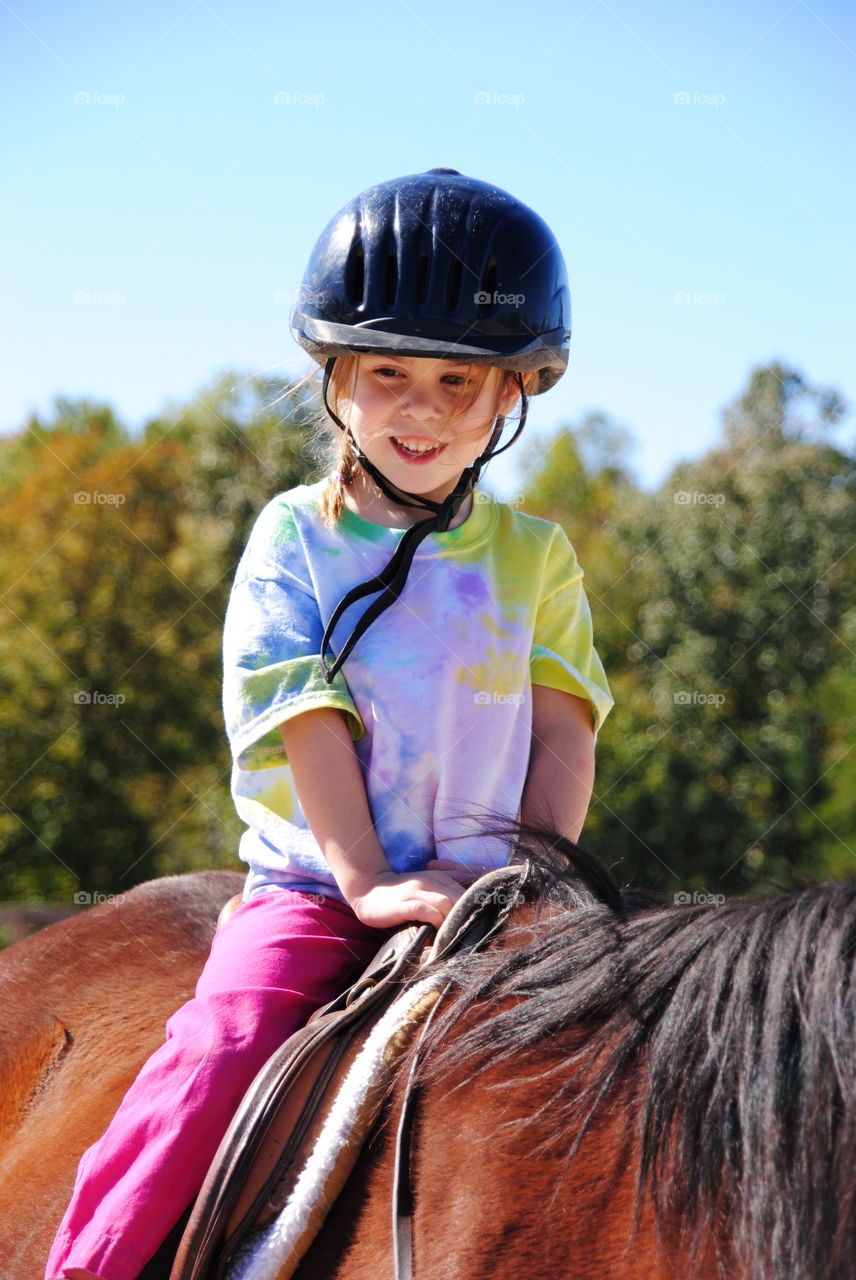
[336, 445]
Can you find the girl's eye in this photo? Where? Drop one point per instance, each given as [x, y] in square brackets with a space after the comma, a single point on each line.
[453, 381]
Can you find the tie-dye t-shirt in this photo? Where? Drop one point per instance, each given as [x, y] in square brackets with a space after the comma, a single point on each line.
[437, 693]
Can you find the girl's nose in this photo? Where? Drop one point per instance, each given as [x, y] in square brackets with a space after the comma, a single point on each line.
[420, 402]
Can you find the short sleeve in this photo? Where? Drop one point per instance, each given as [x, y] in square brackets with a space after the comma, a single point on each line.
[272, 643]
[563, 652]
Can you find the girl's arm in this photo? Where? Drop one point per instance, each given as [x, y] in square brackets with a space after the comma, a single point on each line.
[332, 794]
[561, 765]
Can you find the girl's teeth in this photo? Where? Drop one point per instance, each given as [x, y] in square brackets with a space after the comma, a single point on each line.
[416, 448]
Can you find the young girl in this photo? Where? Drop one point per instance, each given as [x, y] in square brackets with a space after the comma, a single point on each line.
[401, 659]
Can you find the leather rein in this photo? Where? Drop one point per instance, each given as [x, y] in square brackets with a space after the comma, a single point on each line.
[448, 942]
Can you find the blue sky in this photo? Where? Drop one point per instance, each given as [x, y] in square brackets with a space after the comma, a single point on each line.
[171, 164]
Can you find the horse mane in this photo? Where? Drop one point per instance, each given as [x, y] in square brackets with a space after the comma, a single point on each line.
[740, 1019]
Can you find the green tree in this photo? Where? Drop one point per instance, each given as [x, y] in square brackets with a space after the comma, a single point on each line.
[249, 440]
[116, 558]
[715, 771]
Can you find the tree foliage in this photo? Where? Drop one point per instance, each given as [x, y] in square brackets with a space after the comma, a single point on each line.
[116, 558]
[725, 619]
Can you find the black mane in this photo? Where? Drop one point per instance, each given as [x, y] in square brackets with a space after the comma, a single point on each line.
[744, 1015]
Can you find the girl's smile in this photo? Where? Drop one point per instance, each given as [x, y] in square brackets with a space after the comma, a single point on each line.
[416, 449]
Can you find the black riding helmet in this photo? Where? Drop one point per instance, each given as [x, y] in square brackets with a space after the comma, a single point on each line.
[441, 265]
[438, 264]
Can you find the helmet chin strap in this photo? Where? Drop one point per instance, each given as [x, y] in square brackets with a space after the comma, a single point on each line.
[389, 583]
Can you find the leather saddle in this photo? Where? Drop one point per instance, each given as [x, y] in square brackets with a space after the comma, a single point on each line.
[278, 1122]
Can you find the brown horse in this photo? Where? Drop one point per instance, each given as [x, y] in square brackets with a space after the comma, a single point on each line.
[615, 1090]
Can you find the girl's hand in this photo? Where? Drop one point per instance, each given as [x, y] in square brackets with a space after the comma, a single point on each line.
[392, 898]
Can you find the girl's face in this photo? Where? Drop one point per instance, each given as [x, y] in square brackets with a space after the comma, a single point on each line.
[405, 416]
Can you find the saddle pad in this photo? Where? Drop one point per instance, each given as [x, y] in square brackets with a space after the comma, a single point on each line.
[275, 1251]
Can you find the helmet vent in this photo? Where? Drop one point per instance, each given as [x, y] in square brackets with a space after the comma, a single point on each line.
[355, 276]
[390, 280]
[453, 284]
[489, 277]
[422, 278]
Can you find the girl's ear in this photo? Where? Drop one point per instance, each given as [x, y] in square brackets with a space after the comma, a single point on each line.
[510, 394]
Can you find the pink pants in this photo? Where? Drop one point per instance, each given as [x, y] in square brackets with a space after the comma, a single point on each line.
[278, 958]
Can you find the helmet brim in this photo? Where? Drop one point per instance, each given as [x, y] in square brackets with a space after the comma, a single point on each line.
[547, 355]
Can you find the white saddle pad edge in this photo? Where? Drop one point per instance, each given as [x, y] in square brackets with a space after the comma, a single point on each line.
[273, 1253]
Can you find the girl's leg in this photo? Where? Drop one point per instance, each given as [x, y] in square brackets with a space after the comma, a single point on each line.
[275, 961]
